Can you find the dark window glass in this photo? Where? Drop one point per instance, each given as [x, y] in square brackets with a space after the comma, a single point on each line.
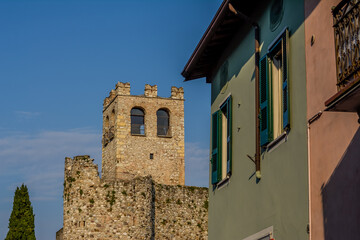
[137, 121]
[162, 122]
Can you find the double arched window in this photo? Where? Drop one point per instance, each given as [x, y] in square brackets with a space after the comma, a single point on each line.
[137, 121]
[163, 122]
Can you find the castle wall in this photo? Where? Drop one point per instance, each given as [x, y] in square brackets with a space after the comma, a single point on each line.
[181, 212]
[127, 155]
[95, 209]
[139, 208]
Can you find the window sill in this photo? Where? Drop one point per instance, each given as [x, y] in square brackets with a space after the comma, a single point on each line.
[138, 135]
[276, 142]
[223, 183]
[164, 136]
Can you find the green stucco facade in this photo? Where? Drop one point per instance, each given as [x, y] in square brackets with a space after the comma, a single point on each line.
[245, 206]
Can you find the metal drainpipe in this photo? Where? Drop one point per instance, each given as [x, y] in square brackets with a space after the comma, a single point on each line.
[257, 80]
[257, 101]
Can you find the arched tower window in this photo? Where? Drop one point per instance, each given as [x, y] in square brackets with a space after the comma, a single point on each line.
[163, 122]
[137, 121]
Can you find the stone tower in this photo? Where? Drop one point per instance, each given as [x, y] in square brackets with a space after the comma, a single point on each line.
[143, 135]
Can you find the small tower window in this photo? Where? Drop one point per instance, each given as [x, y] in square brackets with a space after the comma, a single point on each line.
[137, 121]
[162, 122]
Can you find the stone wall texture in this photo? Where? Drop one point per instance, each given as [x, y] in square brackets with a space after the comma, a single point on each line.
[181, 212]
[137, 208]
[126, 155]
[141, 194]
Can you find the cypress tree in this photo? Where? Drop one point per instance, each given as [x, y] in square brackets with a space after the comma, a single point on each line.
[21, 222]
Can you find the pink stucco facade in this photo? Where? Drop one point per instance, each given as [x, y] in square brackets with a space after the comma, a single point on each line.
[333, 136]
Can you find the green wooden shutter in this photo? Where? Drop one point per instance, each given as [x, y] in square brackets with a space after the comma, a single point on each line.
[219, 137]
[229, 135]
[264, 101]
[285, 95]
[214, 148]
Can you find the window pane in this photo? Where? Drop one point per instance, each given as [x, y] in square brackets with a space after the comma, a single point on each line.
[162, 113]
[162, 131]
[137, 121]
[135, 129]
[137, 111]
[138, 129]
[162, 122]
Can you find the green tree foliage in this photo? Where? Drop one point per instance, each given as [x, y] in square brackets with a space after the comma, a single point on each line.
[21, 222]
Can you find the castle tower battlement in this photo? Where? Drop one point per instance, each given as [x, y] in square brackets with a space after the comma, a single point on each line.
[177, 93]
[150, 91]
[143, 135]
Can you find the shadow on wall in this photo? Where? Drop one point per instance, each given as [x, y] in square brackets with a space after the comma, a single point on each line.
[341, 196]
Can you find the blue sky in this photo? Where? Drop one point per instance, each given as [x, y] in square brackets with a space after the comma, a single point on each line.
[60, 59]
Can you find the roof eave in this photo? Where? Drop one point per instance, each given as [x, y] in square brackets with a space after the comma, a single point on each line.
[206, 38]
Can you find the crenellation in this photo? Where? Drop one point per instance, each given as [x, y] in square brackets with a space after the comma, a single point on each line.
[150, 91]
[177, 93]
[122, 88]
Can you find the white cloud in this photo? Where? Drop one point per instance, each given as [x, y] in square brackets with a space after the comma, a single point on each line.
[38, 160]
[196, 165]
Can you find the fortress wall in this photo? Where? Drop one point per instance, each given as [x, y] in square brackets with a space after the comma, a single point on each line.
[129, 209]
[96, 209]
[181, 212]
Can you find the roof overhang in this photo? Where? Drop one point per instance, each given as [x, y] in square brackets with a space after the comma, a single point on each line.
[218, 35]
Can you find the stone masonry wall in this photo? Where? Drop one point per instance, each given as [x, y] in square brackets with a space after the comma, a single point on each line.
[96, 209]
[181, 212]
[127, 155]
[139, 208]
